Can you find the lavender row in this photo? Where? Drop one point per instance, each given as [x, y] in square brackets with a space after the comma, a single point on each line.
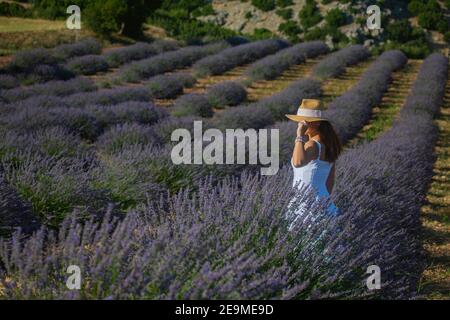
[51, 88]
[141, 50]
[92, 64]
[88, 121]
[26, 60]
[335, 64]
[272, 66]
[383, 184]
[235, 56]
[168, 61]
[350, 111]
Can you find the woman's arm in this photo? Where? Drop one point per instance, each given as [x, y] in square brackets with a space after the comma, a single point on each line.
[303, 151]
[330, 179]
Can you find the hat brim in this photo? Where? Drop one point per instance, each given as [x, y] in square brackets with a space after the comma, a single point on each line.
[298, 118]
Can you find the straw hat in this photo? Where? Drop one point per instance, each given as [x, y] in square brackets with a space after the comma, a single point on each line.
[309, 110]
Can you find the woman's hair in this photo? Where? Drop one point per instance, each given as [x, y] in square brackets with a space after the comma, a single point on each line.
[330, 139]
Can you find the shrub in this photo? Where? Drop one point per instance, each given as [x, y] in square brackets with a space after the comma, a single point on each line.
[309, 15]
[262, 34]
[284, 3]
[336, 18]
[286, 14]
[192, 105]
[226, 93]
[66, 51]
[87, 65]
[290, 29]
[27, 60]
[44, 72]
[264, 5]
[168, 86]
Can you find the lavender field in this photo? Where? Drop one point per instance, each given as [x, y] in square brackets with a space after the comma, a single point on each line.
[87, 179]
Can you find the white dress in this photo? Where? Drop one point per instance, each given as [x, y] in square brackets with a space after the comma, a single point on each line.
[315, 175]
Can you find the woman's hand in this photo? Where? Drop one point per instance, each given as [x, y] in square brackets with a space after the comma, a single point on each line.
[302, 127]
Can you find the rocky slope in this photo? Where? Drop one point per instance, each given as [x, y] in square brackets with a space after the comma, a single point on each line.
[242, 16]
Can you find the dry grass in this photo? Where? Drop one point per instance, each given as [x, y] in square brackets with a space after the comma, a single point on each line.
[14, 24]
[435, 282]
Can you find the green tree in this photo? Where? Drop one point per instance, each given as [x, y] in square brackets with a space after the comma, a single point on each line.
[310, 14]
[108, 16]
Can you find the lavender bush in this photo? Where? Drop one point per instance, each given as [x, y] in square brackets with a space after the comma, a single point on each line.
[127, 112]
[45, 72]
[235, 56]
[272, 66]
[141, 50]
[169, 86]
[15, 212]
[54, 186]
[87, 65]
[8, 81]
[168, 61]
[227, 93]
[84, 47]
[335, 64]
[51, 88]
[33, 118]
[122, 136]
[108, 96]
[27, 60]
[192, 104]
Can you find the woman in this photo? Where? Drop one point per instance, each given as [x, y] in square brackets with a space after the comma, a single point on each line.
[316, 149]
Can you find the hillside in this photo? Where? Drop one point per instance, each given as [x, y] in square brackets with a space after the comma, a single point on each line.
[284, 20]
